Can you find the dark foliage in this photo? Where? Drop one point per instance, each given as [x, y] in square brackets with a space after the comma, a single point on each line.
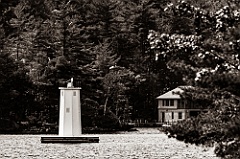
[206, 53]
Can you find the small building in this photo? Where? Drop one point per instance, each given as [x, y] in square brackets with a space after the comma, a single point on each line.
[172, 108]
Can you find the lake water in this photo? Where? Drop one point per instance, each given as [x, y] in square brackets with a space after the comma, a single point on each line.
[148, 143]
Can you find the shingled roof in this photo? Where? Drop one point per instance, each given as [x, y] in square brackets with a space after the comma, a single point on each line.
[173, 94]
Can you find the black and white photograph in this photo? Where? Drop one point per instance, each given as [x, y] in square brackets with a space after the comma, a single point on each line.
[119, 79]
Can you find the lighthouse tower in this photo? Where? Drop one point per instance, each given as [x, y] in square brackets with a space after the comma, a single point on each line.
[70, 111]
[70, 126]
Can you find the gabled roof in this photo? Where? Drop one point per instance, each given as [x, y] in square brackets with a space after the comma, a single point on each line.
[173, 94]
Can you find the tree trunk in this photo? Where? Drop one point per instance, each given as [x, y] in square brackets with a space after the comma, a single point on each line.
[105, 106]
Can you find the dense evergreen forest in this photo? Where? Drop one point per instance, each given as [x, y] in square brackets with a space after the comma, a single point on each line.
[123, 54]
[103, 45]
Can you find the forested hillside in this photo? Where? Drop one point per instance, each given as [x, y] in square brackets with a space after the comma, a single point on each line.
[103, 45]
[123, 54]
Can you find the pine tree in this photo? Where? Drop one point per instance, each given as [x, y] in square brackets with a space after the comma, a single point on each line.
[208, 58]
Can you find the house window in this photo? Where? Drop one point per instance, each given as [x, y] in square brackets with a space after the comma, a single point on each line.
[74, 93]
[172, 115]
[179, 115]
[168, 102]
[163, 117]
[163, 102]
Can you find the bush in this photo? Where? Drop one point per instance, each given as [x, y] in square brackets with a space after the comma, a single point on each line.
[209, 130]
[108, 121]
[8, 126]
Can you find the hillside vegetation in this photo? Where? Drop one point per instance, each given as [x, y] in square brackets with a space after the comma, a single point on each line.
[123, 54]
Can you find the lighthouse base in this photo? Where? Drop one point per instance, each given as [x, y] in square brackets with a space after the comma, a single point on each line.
[69, 139]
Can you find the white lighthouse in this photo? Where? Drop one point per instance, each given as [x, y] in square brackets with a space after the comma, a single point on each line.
[70, 112]
[70, 125]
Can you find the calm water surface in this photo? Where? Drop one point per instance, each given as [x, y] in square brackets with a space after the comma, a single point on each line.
[147, 143]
